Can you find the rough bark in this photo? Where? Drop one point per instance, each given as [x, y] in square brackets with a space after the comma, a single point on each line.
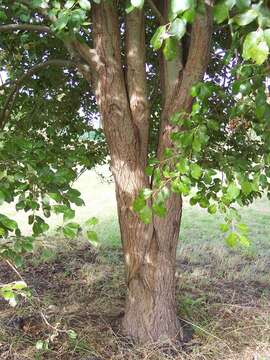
[150, 313]
[149, 250]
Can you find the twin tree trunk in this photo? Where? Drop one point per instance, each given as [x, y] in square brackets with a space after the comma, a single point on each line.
[121, 93]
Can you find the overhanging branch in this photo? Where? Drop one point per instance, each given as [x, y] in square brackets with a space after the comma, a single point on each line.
[17, 84]
[25, 27]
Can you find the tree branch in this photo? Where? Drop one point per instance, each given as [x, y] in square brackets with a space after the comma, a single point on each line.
[17, 84]
[197, 61]
[196, 65]
[26, 27]
[158, 14]
[136, 76]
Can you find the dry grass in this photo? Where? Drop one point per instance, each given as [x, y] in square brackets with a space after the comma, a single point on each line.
[81, 289]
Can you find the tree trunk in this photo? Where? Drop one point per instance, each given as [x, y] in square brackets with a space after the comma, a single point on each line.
[150, 313]
[121, 94]
[150, 254]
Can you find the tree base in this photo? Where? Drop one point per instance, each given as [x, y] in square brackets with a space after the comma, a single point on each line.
[181, 339]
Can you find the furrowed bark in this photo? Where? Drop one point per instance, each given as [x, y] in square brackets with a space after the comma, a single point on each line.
[127, 139]
[157, 312]
[150, 313]
[136, 77]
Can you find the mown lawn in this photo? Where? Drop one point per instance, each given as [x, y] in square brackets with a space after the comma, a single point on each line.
[223, 294]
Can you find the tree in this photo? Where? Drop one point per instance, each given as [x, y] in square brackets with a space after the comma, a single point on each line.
[155, 110]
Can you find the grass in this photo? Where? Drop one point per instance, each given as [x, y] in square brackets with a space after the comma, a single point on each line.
[222, 293]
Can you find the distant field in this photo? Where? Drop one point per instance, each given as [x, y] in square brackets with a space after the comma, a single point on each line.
[198, 227]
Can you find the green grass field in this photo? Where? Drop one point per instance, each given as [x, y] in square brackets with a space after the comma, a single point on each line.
[198, 226]
[222, 293]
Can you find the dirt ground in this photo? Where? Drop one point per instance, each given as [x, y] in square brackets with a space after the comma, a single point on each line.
[78, 301]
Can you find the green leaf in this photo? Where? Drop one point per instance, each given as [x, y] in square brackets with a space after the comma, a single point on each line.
[40, 227]
[129, 9]
[212, 209]
[224, 227]
[178, 28]
[261, 55]
[18, 285]
[158, 37]
[71, 333]
[183, 166]
[243, 240]
[39, 4]
[221, 12]
[73, 193]
[196, 171]
[18, 260]
[77, 17]
[62, 21]
[85, 4]
[149, 170]
[70, 230]
[189, 15]
[245, 18]
[91, 222]
[59, 209]
[159, 209]
[55, 196]
[146, 193]
[31, 219]
[137, 3]
[204, 202]
[232, 239]
[7, 294]
[8, 223]
[146, 215]
[69, 214]
[242, 228]
[246, 187]
[180, 187]
[92, 235]
[69, 4]
[138, 204]
[179, 6]
[39, 344]
[163, 194]
[196, 144]
[233, 191]
[255, 47]
[73, 196]
[170, 49]
[243, 4]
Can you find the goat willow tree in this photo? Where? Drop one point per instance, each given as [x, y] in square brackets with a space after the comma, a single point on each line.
[155, 110]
